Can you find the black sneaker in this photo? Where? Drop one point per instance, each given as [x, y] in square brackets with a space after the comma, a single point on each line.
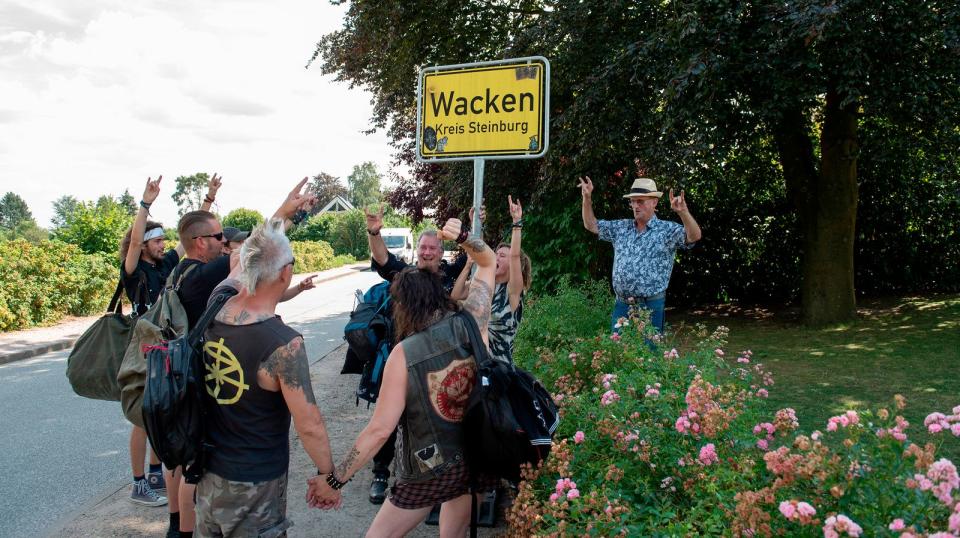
[378, 489]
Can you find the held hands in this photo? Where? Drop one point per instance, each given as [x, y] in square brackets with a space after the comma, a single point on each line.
[451, 230]
[586, 186]
[374, 219]
[152, 190]
[516, 211]
[679, 203]
[321, 495]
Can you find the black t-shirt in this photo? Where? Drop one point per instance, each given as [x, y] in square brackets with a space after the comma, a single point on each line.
[197, 286]
[154, 276]
[248, 425]
[448, 271]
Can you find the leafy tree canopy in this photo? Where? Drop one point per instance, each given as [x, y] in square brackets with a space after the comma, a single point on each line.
[243, 219]
[364, 185]
[757, 103]
[326, 187]
[190, 192]
[13, 211]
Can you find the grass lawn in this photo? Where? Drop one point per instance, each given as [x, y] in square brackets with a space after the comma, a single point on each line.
[909, 346]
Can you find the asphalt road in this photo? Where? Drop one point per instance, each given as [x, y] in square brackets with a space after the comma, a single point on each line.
[59, 451]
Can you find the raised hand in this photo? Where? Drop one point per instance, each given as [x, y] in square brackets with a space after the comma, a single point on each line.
[516, 211]
[295, 198]
[151, 190]
[374, 219]
[586, 186]
[213, 186]
[483, 213]
[679, 203]
[451, 230]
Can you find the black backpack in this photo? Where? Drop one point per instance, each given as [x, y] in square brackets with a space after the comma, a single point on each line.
[369, 335]
[510, 417]
[173, 409]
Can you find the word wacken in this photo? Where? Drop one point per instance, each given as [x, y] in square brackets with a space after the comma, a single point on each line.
[481, 104]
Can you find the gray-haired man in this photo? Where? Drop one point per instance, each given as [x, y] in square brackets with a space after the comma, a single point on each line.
[257, 378]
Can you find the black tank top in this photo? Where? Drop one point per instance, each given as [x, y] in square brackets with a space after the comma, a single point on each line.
[248, 425]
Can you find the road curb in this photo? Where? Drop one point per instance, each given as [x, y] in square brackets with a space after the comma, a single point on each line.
[66, 343]
[31, 352]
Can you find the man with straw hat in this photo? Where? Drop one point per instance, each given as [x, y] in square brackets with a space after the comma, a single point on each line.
[643, 247]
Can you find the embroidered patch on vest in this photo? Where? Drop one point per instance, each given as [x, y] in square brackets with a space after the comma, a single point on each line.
[450, 388]
[429, 457]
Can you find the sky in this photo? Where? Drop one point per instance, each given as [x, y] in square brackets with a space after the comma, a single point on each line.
[97, 96]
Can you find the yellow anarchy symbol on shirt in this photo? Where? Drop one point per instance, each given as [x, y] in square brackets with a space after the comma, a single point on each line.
[221, 374]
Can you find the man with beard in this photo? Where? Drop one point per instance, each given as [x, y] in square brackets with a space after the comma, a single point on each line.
[144, 271]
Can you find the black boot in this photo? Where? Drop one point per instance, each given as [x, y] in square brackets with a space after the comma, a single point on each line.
[378, 488]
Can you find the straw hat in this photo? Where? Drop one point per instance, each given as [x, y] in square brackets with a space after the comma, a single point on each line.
[643, 187]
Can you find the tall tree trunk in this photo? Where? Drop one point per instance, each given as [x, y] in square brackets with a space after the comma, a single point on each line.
[826, 204]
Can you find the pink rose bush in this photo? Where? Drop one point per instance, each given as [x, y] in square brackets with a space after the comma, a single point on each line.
[681, 440]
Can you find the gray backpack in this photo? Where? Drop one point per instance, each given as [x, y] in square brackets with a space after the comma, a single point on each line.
[165, 320]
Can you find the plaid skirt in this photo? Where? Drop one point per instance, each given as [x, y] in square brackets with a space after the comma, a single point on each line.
[453, 483]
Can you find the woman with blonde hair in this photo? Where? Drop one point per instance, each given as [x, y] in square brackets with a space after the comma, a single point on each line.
[512, 280]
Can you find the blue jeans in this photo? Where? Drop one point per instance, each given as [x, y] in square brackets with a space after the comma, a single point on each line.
[654, 304]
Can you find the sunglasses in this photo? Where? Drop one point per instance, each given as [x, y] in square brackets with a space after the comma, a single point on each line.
[218, 236]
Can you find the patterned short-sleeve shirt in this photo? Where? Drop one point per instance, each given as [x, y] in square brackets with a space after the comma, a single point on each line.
[642, 262]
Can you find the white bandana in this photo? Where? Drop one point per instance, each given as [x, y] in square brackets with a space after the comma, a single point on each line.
[153, 234]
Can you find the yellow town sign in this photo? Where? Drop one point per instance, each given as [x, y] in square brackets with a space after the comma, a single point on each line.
[488, 110]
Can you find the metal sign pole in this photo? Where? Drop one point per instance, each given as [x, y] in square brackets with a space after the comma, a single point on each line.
[477, 197]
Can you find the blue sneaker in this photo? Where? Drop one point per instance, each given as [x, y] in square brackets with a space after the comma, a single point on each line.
[141, 493]
[157, 483]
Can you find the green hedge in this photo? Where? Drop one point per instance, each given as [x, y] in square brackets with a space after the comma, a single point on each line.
[316, 256]
[41, 283]
[677, 438]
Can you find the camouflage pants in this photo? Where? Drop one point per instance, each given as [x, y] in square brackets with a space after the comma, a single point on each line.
[228, 509]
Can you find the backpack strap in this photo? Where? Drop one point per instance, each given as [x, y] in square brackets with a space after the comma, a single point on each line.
[196, 334]
[116, 305]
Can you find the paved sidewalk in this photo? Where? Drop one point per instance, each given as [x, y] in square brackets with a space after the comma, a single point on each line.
[111, 514]
[19, 345]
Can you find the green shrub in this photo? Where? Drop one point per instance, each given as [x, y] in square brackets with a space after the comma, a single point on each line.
[243, 219]
[41, 283]
[316, 256]
[656, 442]
[95, 227]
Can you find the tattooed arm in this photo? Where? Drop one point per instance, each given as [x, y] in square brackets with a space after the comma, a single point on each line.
[480, 296]
[386, 415]
[289, 366]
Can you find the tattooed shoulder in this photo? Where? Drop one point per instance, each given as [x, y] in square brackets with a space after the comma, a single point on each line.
[479, 301]
[289, 365]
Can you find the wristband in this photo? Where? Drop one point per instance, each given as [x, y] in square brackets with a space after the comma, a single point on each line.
[334, 483]
[464, 234]
[373, 233]
[145, 205]
[207, 199]
[299, 216]
[518, 224]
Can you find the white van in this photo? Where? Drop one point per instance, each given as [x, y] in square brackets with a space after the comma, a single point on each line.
[399, 241]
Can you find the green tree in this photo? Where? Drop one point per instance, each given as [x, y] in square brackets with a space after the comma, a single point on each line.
[243, 219]
[13, 211]
[96, 227]
[364, 185]
[348, 234]
[190, 192]
[694, 89]
[62, 207]
[326, 187]
[128, 202]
